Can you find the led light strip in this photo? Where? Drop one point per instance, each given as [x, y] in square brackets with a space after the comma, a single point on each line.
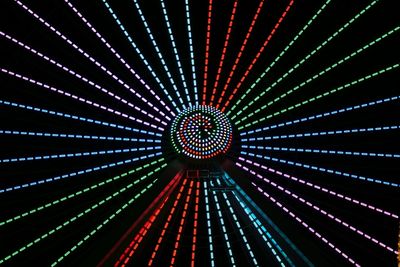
[140, 54]
[209, 231]
[131, 249]
[181, 223]
[207, 52]
[80, 77]
[325, 170]
[79, 118]
[195, 221]
[165, 227]
[150, 210]
[253, 62]
[80, 154]
[81, 99]
[188, 128]
[263, 232]
[323, 133]
[324, 151]
[239, 227]
[312, 99]
[165, 193]
[73, 174]
[85, 54]
[246, 39]
[260, 227]
[192, 62]
[85, 212]
[323, 189]
[113, 216]
[159, 54]
[277, 58]
[322, 211]
[222, 224]
[178, 60]
[319, 74]
[79, 136]
[330, 38]
[302, 223]
[118, 56]
[323, 115]
[79, 192]
[223, 54]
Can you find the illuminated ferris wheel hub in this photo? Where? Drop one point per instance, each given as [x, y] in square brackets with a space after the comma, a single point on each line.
[201, 132]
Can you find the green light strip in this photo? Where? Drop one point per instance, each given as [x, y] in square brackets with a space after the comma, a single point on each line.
[337, 89]
[279, 56]
[118, 211]
[307, 57]
[90, 209]
[77, 193]
[309, 80]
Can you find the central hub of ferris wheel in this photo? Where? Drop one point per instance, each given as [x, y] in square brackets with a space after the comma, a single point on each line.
[201, 132]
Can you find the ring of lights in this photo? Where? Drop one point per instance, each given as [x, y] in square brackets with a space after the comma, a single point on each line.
[201, 132]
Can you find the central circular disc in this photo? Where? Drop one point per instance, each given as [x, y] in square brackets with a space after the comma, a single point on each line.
[201, 132]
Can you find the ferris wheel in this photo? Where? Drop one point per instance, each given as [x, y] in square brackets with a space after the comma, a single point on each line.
[199, 133]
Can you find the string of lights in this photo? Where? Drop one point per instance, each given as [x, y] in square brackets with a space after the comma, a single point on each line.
[309, 55]
[80, 99]
[223, 54]
[253, 62]
[118, 56]
[323, 72]
[78, 118]
[258, 80]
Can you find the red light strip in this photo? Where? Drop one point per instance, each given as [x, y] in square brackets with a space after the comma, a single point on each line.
[207, 51]
[196, 214]
[165, 192]
[181, 223]
[253, 62]
[131, 249]
[239, 55]
[226, 43]
[171, 213]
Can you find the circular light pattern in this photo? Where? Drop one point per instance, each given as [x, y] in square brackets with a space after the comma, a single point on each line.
[201, 132]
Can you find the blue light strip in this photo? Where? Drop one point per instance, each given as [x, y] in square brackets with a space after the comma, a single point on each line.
[325, 170]
[323, 115]
[74, 117]
[118, 56]
[209, 232]
[140, 54]
[222, 223]
[239, 227]
[80, 154]
[72, 174]
[266, 236]
[323, 151]
[323, 133]
[160, 56]
[79, 136]
[192, 62]
[178, 61]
